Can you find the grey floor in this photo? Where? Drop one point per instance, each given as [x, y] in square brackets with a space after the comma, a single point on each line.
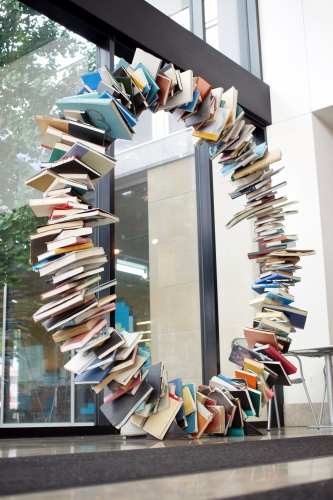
[204, 486]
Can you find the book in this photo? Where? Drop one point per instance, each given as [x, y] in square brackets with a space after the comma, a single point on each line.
[275, 355]
[42, 207]
[82, 131]
[157, 425]
[99, 111]
[251, 378]
[120, 410]
[79, 362]
[92, 377]
[110, 345]
[81, 340]
[52, 137]
[204, 419]
[73, 331]
[255, 335]
[69, 259]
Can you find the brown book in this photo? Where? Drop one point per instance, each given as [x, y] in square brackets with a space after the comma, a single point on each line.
[217, 425]
[164, 84]
[203, 87]
[68, 333]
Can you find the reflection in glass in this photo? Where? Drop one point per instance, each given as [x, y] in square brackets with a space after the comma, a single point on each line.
[40, 62]
[227, 29]
[178, 10]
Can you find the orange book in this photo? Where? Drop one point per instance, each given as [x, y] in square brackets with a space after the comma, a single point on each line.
[249, 377]
[203, 87]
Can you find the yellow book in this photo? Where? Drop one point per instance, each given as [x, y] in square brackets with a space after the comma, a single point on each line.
[73, 248]
[189, 404]
[105, 300]
[255, 366]
[268, 159]
[158, 424]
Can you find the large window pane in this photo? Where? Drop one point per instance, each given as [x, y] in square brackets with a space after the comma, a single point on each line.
[178, 10]
[40, 62]
[227, 29]
[157, 254]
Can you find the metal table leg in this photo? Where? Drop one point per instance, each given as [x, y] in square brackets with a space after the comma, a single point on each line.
[329, 381]
[329, 384]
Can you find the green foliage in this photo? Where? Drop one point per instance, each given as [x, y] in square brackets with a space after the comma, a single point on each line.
[15, 229]
[40, 61]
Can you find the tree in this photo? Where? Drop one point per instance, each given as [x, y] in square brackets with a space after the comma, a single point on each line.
[40, 61]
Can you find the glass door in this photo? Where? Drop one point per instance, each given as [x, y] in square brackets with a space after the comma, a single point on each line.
[40, 61]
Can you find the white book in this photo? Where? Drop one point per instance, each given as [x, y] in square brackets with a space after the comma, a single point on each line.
[68, 233]
[186, 95]
[80, 362]
[151, 63]
[43, 207]
[69, 259]
[131, 340]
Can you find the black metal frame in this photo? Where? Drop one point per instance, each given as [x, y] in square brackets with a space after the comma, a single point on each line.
[118, 27]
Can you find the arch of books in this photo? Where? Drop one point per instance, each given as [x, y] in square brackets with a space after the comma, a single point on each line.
[138, 397]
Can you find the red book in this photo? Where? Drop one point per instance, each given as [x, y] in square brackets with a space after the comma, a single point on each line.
[289, 368]
[256, 255]
[120, 391]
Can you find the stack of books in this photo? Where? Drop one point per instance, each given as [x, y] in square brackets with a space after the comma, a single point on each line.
[262, 365]
[262, 362]
[62, 250]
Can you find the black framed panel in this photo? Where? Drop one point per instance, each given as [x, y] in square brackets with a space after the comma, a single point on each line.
[135, 23]
[106, 234]
[210, 341]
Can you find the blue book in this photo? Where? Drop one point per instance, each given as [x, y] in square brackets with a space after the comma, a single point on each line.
[260, 288]
[190, 106]
[44, 262]
[275, 276]
[280, 298]
[260, 150]
[92, 79]
[192, 419]
[226, 379]
[100, 362]
[102, 113]
[94, 376]
[178, 383]
[154, 88]
[297, 317]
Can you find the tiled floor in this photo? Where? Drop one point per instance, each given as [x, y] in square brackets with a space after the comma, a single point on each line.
[204, 486]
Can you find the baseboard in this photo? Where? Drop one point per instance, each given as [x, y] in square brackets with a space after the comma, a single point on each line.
[300, 415]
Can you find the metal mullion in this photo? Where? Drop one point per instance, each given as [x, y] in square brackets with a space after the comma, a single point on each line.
[210, 341]
[4, 325]
[106, 234]
[254, 37]
[197, 18]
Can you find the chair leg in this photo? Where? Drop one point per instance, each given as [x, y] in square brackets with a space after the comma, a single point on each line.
[276, 409]
[269, 416]
[309, 401]
[322, 406]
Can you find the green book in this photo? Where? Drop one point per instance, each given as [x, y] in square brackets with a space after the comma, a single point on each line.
[58, 151]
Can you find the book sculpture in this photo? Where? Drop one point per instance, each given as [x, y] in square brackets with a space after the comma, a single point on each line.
[138, 396]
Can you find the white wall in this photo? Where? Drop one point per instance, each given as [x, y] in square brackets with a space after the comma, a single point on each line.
[297, 58]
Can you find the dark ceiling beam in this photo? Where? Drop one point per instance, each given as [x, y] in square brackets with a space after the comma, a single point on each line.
[136, 23]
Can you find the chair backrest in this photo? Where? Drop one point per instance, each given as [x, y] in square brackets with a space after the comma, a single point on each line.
[239, 340]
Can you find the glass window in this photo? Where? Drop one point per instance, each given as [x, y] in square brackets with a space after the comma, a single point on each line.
[227, 29]
[157, 254]
[178, 10]
[40, 61]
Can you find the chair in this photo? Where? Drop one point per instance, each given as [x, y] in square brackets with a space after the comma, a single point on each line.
[299, 380]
